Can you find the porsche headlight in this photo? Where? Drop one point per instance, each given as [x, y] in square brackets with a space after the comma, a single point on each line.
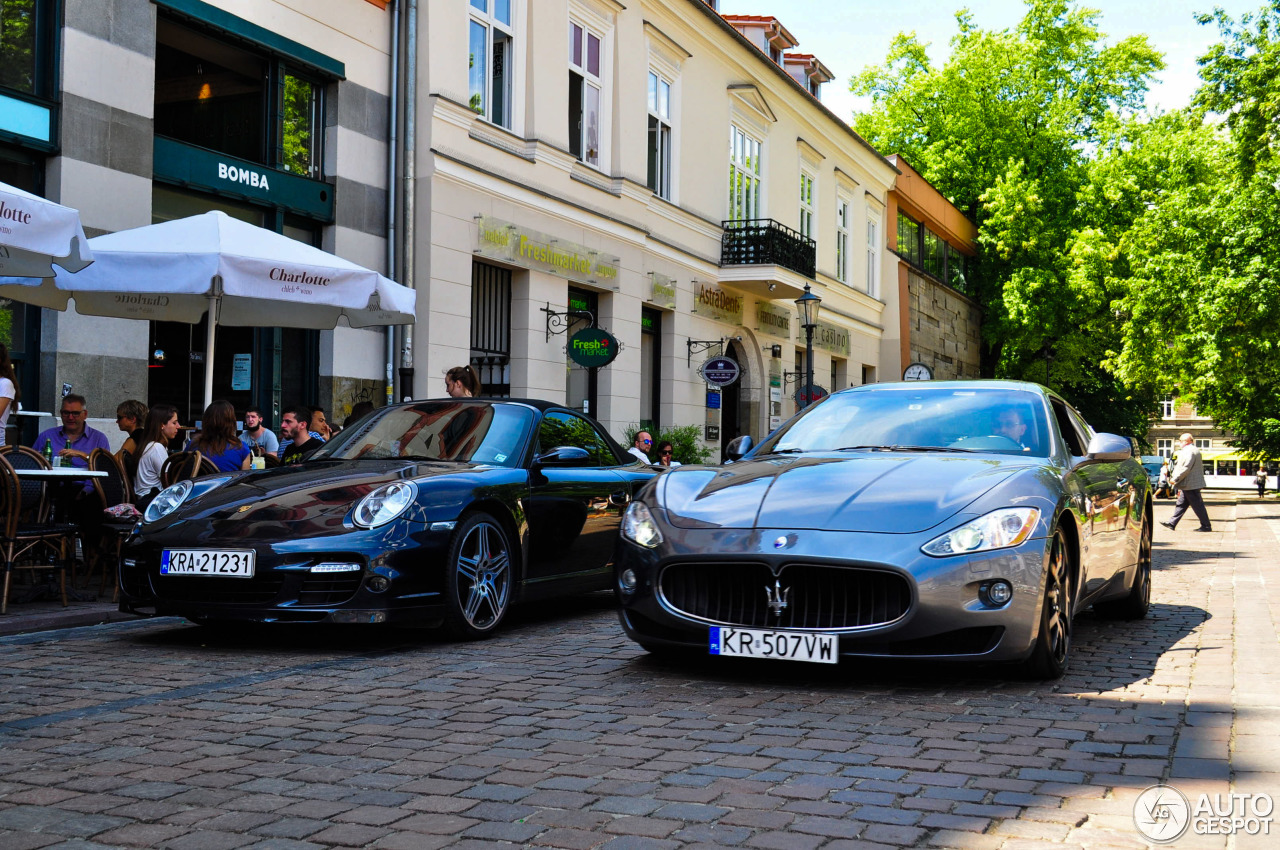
[639, 527]
[167, 501]
[997, 530]
[384, 504]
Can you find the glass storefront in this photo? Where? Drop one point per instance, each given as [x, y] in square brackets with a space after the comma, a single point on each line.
[218, 96]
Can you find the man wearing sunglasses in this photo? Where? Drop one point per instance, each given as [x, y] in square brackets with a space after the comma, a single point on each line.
[640, 448]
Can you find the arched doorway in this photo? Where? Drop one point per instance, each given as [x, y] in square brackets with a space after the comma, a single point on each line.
[735, 400]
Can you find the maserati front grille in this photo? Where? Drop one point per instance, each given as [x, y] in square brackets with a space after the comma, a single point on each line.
[799, 596]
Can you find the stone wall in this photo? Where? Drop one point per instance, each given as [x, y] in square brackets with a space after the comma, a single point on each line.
[946, 328]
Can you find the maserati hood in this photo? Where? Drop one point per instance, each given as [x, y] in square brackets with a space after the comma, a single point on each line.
[894, 493]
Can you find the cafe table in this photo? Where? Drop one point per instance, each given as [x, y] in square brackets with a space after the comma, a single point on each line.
[57, 474]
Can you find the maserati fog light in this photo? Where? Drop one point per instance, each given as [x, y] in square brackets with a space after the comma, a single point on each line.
[627, 581]
[379, 583]
[996, 594]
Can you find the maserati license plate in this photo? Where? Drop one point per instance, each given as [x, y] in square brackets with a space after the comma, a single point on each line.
[781, 646]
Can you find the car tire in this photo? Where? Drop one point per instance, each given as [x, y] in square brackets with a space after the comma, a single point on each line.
[479, 577]
[1052, 651]
[1136, 604]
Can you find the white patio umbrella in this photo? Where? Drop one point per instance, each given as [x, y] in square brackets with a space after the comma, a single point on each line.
[232, 272]
[36, 233]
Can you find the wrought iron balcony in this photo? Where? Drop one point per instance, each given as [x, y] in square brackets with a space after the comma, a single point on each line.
[763, 241]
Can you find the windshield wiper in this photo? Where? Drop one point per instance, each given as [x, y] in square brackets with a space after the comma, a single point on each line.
[928, 449]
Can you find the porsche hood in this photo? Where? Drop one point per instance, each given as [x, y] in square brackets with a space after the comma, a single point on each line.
[895, 493]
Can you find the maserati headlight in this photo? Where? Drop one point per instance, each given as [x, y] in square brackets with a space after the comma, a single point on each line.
[384, 504]
[997, 530]
[167, 501]
[638, 526]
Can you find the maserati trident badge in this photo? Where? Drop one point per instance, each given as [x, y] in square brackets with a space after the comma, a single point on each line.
[777, 596]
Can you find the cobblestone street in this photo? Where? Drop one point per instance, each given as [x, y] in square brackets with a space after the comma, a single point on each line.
[561, 733]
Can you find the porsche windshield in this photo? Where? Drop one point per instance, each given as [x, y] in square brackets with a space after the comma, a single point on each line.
[922, 419]
[465, 432]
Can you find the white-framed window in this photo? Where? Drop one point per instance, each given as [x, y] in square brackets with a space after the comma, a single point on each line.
[1164, 447]
[873, 254]
[842, 240]
[806, 204]
[1166, 408]
[492, 60]
[586, 89]
[745, 175]
[1204, 444]
[659, 143]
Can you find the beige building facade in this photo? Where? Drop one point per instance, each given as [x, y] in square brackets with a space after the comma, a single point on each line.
[651, 169]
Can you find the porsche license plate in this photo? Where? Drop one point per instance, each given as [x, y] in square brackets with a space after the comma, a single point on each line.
[222, 563]
[781, 646]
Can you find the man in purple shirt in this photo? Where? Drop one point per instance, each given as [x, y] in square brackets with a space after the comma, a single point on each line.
[73, 442]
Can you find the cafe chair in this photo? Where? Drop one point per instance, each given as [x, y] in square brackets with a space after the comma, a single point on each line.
[29, 545]
[111, 491]
[192, 466]
[169, 470]
[35, 491]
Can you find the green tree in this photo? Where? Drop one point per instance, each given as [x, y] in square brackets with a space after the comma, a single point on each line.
[1203, 306]
[1006, 129]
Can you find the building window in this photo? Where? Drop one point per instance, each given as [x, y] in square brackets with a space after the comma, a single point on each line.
[1164, 447]
[956, 266]
[744, 176]
[650, 369]
[1166, 408]
[909, 239]
[935, 254]
[659, 136]
[868, 374]
[215, 94]
[26, 46]
[873, 256]
[842, 240]
[585, 87]
[492, 60]
[806, 205]
[1204, 444]
[491, 328]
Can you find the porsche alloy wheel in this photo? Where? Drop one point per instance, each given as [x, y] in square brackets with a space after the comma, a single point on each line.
[1052, 650]
[1135, 605]
[479, 577]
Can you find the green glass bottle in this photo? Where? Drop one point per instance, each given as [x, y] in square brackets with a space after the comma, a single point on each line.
[48, 451]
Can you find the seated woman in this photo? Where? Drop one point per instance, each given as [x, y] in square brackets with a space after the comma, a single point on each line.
[161, 428]
[217, 440]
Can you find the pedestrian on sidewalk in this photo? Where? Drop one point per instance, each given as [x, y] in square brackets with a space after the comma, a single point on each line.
[1188, 479]
[1261, 480]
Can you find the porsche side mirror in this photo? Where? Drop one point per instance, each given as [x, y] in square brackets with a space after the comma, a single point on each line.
[1109, 448]
[563, 456]
[737, 447]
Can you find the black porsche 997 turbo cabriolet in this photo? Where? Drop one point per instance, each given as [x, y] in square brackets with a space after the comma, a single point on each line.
[440, 512]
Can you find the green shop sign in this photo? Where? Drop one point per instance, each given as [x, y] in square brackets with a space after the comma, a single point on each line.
[520, 246]
[199, 168]
[593, 348]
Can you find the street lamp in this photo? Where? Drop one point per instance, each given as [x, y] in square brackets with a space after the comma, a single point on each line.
[808, 305]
